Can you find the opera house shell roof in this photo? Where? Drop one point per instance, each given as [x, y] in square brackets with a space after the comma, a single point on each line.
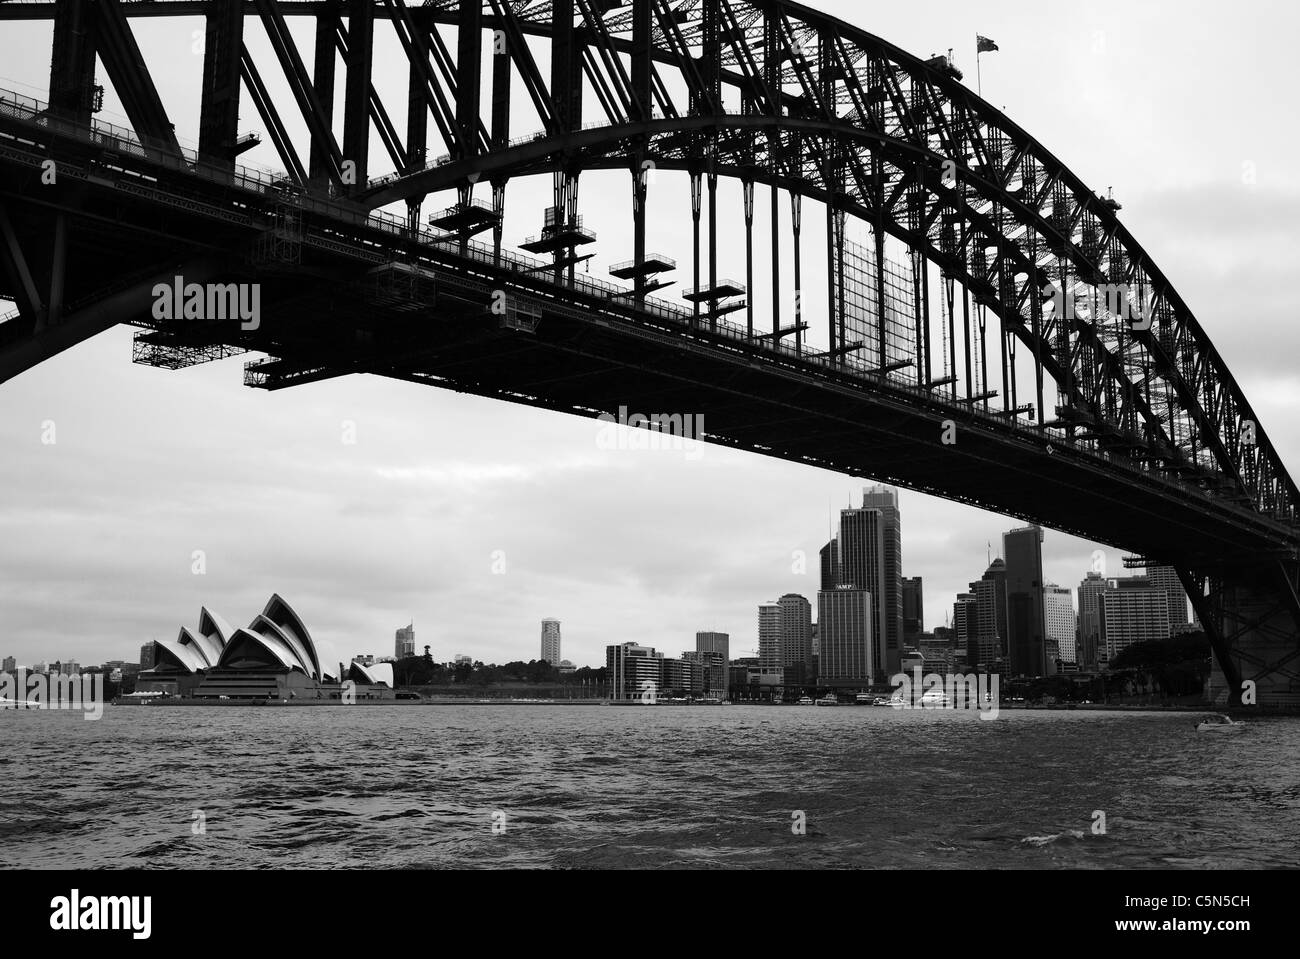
[374, 674]
[275, 639]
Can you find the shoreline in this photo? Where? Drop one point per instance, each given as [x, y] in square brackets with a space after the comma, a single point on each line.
[173, 702]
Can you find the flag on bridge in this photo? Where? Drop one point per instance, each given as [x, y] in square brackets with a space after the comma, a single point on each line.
[984, 45]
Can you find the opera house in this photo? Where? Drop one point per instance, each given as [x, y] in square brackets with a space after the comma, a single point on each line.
[272, 658]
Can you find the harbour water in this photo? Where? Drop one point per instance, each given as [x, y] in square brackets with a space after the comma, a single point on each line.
[651, 787]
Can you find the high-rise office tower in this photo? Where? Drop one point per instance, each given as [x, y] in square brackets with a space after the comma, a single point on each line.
[770, 655]
[147, 653]
[1090, 590]
[830, 564]
[1132, 610]
[989, 649]
[885, 499]
[404, 647]
[965, 623]
[1026, 627]
[861, 544]
[1164, 577]
[551, 641]
[796, 638]
[913, 608]
[1060, 623]
[720, 643]
[846, 658]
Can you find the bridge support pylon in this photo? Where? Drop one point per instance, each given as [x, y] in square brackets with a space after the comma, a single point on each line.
[1251, 615]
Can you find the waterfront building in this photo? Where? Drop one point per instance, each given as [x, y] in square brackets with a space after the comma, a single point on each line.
[404, 647]
[1132, 610]
[848, 657]
[711, 673]
[10, 665]
[1026, 625]
[629, 666]
[738, 676]
[796, 640]
[720, 643]
[749, 679]
[146, 656]
[566, 667]
[272, 658]
[769, 636]
[678, 677]
[551, 641]
[1060, 623]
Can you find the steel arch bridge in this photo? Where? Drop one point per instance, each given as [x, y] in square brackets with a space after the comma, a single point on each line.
[963, 370]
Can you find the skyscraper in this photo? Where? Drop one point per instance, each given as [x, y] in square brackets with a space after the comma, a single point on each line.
[913, 608]
[551, 641]
[796, 639]
[1026, 627]
[847, 658]
[770, 654]
[709, 642]
[885, 499]
[1164, 577]
[405, 644]
[989, 650]
[1090, 590]
[719, 678]
[147, 652]
[861, 546]
[10, 664]
[830, 564]
[965, 624]
[1059, 620]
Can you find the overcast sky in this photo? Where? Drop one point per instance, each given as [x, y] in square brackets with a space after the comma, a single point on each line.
[1185, 109]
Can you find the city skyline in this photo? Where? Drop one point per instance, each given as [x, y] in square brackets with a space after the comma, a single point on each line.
[739, 637]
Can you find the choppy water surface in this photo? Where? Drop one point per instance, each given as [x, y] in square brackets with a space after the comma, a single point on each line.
[588, 786]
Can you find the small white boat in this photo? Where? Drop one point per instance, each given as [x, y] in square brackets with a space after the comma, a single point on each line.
[934, 699]
[805, 701]
[7, 703]
[1219, 724]
[830, 699]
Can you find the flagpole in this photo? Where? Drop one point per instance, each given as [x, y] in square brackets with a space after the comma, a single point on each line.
[979, 81]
